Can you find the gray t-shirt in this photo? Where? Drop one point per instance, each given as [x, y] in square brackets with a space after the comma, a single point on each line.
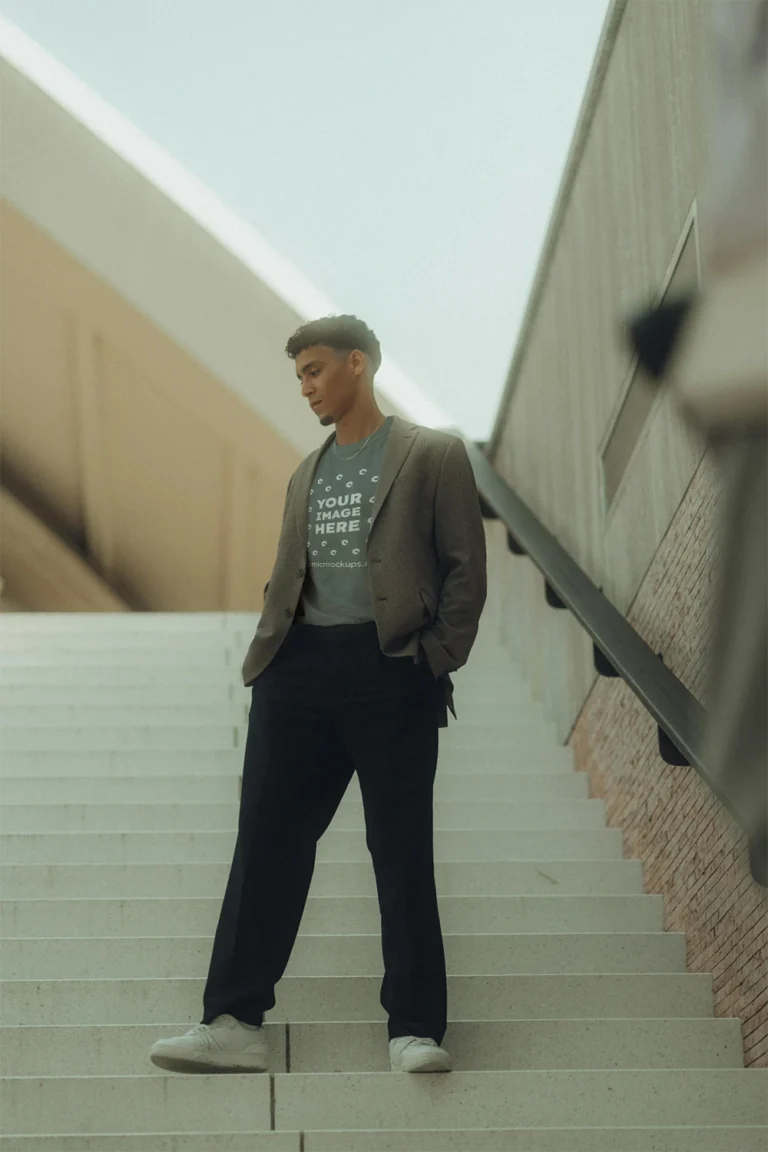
[340, 510]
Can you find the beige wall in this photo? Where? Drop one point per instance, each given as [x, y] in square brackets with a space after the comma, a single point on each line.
[166, 483]
[163, 479]
[43, 569]
[627, 204]
[150, 419]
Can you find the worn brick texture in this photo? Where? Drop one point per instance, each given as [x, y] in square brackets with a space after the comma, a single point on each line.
[693, 853]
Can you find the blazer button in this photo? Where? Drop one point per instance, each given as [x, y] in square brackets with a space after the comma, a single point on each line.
[288, 612]
[300, 572]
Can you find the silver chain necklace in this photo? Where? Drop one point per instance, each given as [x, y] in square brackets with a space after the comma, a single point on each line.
[340, 457]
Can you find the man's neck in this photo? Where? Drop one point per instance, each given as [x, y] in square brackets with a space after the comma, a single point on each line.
[355, 426]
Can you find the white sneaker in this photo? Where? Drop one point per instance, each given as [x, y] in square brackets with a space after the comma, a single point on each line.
[224, 1045]
[418, 1054]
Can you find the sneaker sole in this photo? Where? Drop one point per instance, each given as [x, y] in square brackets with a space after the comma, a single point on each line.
[170, 1063]
[437, 1063]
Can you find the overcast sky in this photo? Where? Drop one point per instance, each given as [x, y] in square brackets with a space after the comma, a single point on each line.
[404, 154]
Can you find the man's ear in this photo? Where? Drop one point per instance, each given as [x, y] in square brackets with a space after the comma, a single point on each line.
[357, 360]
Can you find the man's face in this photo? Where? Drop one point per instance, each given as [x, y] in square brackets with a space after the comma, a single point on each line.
[330, 383]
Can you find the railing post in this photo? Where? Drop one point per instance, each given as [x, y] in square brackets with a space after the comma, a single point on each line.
[552, 597]
[668, 750]
[603, 666]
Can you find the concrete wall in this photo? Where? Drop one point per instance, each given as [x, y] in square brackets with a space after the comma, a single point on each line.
[692, 851]
[631, 195]
[625, 229]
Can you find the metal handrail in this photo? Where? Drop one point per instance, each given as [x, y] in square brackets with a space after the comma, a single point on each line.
[679, 716]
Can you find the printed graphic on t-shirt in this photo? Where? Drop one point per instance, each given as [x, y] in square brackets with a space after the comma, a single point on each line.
[340, 515]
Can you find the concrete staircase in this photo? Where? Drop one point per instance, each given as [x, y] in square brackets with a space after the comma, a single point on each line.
[574, 1024]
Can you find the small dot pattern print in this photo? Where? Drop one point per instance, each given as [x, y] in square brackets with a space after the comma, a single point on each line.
[341, 510]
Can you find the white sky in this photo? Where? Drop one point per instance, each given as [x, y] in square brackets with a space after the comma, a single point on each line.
[404, 154]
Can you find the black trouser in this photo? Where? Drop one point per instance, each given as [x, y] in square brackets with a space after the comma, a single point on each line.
[330, 704]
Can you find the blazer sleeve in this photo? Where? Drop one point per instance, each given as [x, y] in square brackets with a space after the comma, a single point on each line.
[285, 513]
[460, 545]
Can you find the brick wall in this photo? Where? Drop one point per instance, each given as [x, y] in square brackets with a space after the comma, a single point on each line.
[693, 853]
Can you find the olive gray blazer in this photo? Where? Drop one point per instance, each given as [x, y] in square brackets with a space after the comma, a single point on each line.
[426, 555]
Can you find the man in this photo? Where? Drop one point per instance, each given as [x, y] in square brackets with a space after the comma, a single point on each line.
[713, 352]
[374, 599]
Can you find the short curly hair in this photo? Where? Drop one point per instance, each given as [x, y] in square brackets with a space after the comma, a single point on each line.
[342, 334]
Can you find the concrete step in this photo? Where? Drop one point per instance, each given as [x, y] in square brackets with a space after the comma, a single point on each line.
[510, 692]
[158, 1142]
[115, 665]
[500, 1045]
[223, 787]
[482, 679]
[114, 674]
[123, 716]
[104, 641]
[544, 1139]
[228, 679]
[179, 847]
[20, 727]
[468, 699]
[332, 915]
[480, 815]
[111, 733]
[70, 1104]
[167, 657]
[489, 663]
[170, 738]
[194, 761]
[506, 712]
[220, 652]
[586, 981]
[581, 1139]
[360, 1046]
[82, 709]
[488, 671]
[523, 1099]
[500, 736]
[532, 953]
[470, 703]
[329, 998]
[540, 1098]
[487, 878]
[77, 623]
[219, 694]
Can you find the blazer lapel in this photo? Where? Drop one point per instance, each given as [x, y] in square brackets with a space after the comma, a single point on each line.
[399, 444]
[302, 497]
